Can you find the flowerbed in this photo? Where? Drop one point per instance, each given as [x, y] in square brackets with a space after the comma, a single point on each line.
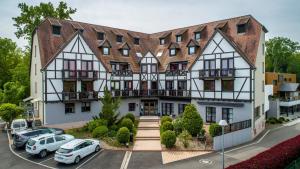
[277, 157]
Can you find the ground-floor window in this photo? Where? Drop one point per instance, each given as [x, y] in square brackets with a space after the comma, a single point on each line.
[86, 107]
[257, 112]
[181, 108]
[70, 108]
[167, 108]
[227, 114]
[210, 114]
[131, 106]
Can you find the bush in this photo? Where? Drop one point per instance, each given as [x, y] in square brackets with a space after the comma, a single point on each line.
[178, 126]
[192, 121]
[112, 133]
[126, 122]
[168, 138]
[123, 135]
[100, 132]
[278, 156]
[96, 123]
[202, 132]
[130, 116]
[215, 129]
[166, 126]
[185, 137]
[165, 119]
[281, 119]
[114, 127]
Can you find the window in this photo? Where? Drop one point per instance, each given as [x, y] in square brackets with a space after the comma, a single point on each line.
[50, 140]
[136, 41]
[197, 35]
[35, 87]
[181, 108]
[172, 51]
[263, 48]
[227, 114]
[153, 69]
[192, 50]
[100, 35]
[144, 69]
[35, 51]
[178, 38]
[210, 114]
[86, 107]
[227, 64]
[42, 142]
[128, 85]
[105, 50]
[227, 85]
[162, 41]
[257, 112]
[263, 67]
[182, 85]
[125, 52]
[263, 108]
[69, 108]
[131, 106]
[69, 86]
[70, 65]
[263, 86]
[209, 85]
[274, 82]
[60, 138]
[56, 30]
[209, 64]
[115, 85]
[87, 86]
[167, 108]
[119, 38]
[169, 85]
[241, 28]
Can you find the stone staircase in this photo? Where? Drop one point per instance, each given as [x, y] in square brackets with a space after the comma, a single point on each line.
[148, 135]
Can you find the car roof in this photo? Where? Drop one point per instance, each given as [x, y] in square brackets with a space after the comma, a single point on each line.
[24, 131]
[18, 120]
[72, 144]
[42, 136]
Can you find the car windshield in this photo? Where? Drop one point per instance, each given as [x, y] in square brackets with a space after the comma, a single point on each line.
[31, 142]
[64, 151]
[16, 125]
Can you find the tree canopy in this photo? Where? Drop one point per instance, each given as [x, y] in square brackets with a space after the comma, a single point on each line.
[8, 112]
[31, 16]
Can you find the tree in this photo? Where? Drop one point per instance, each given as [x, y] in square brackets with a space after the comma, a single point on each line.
[192, 121]
[32, 16]
[279, 50]
[13, 92]
[110, 106]
[294, 65]
[8, 112]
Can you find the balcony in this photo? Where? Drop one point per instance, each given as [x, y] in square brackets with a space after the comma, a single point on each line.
[227, 73]
[151, 93]
[79, 74]
[79, 96]
[176, 73]
[287, 102]
[216, 73]
[121, 73]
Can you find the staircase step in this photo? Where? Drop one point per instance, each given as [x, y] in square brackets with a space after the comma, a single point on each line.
[147, 138]
[148, 128]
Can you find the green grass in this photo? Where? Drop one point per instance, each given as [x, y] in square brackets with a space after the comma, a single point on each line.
[79, 133]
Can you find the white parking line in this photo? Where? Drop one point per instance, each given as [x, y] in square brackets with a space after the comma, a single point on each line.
[46, 160]
[126, 159]
[89, 159]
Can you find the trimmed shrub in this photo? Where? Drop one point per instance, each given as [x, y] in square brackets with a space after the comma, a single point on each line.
[277, 157]
[96, 123]
[114, 127]
[165, 119]
[166, 126]
[100, 132]
[185, 138]
[130, 116]
[192, 121]
[178, 125]
[202, 132]
[215, 129]
[168, 138]
[126, 122]
[123, 135]
[112, 133]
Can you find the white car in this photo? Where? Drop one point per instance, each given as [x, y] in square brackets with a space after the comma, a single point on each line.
[45, 143]
[75, 150]
[18, 125]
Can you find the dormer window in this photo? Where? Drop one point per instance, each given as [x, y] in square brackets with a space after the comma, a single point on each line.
[192, 46]
[192, 50]
[241, 28]
[242, 25]
[136, 41]
[100, 35]
[119, 38]
[56, 30]
[197, 35]
[105, 50]
[178, 38]
[162, 41]
[172, 52]
[125, 52]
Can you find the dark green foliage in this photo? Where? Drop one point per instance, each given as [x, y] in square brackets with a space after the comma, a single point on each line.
[100, 132]
[168, 138]
[9, 112]
[123, 135]
[178, 125]
[202, 132]
[126, 122]
[165, 119]
[114, 127]
[215, 129]
[185, 137]
[130, 116]
[13, 92]
[166, 126]
[192, 121]
[109, 107]
[96, 123]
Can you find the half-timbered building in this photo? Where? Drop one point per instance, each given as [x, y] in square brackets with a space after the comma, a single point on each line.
[218, 66]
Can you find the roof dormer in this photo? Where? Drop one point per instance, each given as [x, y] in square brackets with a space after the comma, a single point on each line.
[77, 27]
[180, 35]
[119, 36]
[124, 49]
[163, 39]
[56, 27]
[99, 33]
[242, 25]
[222, 26]
[199, 32]
[105, 46]
[173, 48]
[192, 46]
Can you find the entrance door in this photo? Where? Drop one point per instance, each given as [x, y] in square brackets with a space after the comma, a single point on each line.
[150, 108]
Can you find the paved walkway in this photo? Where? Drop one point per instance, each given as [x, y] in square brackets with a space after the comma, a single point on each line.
[148, 136]
[67, 126]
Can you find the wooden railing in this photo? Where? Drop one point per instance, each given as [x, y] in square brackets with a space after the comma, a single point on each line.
[151, 93]
[121, 73]
[176, 73]
[216, 73]
[79, 74]
[79, 96]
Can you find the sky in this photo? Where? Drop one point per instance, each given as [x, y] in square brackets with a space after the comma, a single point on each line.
[280, 17]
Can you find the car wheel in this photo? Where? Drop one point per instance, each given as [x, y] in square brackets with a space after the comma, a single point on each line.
[43, 153]
[77, 159]
[97, 148]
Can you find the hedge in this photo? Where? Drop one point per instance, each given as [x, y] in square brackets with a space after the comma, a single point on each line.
[165, 119]
[96, 123]
[123, 135]
[126, 122]
[130, 116]
[215, 129]
[277, 157]
[168, 138]
[166, 126]
[100, 132]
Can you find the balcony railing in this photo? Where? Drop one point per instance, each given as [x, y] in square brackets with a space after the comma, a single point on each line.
[79, 96]
[81, 74]
[151, 93]
[217, 73]
[236, 126]
[121, 73]
[176, 73]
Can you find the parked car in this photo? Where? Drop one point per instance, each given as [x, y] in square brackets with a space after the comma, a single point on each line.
[75, 150]
[45, 143]
[18, 125]
[21, 138]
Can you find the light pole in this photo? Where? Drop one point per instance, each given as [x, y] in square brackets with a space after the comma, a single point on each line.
[223, 123]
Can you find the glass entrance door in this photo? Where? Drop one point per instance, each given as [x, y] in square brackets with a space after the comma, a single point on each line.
[150, 108]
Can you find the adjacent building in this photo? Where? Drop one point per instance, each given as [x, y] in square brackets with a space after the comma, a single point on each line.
[218, 66]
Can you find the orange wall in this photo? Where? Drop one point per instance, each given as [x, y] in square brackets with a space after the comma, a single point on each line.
[273, 76]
